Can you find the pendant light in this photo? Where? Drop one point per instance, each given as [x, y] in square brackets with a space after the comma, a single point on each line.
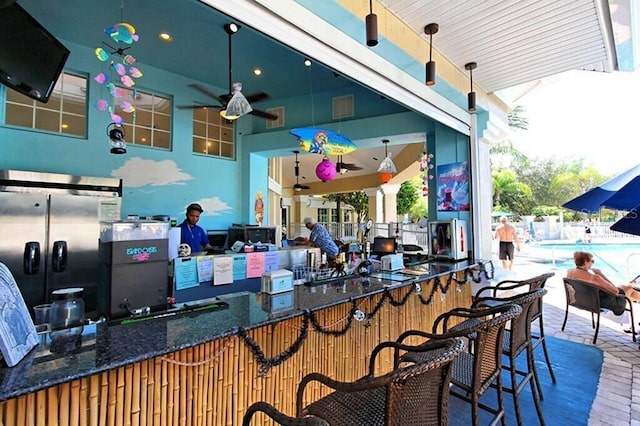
[372, 27]
[471, 96]
[430, 79]
[387, 168]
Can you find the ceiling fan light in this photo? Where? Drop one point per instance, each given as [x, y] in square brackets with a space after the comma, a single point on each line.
[230, 117]
[297, 188]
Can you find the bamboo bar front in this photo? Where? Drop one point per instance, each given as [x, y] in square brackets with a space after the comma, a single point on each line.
[211, 384]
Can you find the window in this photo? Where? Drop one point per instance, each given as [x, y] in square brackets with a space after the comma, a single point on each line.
[323, 215]
[66, 111]
[334, 216]
[150, 123]
[212, 135]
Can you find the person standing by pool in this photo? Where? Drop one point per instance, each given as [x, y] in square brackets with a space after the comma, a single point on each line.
[612, 296]
[507, 235]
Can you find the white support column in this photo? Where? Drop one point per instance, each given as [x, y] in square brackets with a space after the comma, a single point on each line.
[375, 204]
[390, 192]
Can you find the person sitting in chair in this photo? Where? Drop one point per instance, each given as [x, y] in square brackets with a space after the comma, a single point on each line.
[612, 296]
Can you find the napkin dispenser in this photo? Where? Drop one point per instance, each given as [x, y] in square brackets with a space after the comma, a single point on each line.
[392, 262]
[277, 281]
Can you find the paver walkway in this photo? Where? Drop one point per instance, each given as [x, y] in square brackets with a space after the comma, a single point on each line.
[618, 398]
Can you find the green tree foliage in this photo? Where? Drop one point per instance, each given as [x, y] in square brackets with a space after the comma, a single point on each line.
[509, 192]
[407, 196]
[521, 184]
[358, 200]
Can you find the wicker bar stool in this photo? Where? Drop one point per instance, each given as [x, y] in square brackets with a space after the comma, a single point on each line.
[537, 337]
[477, 369]
[279, 417]
[413, 394]
[517, 341]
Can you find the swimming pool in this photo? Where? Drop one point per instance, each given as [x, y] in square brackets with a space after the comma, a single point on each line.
[612, 259]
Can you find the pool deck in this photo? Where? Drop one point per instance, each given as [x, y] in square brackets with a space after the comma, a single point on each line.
[618, 397]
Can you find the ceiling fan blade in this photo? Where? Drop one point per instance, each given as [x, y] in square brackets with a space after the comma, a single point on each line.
[264, 114]
[207, 92]
[198, 106]
[257, 97]
[350, 166]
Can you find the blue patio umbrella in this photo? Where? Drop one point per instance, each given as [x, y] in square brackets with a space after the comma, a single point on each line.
[620, 193]
[630, 223]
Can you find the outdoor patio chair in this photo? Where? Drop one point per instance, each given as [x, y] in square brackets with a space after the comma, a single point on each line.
[537, 336]
[411, 394]
[279, 417]
[476, 369]
[586, 296]
[517, 341]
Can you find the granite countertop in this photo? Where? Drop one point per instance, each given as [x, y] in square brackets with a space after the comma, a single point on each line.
[105, 347]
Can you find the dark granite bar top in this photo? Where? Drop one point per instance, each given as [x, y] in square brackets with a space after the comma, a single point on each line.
[105, 347]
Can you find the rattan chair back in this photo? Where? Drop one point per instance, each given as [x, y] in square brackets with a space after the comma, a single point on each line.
[279, 417]
[412, 394]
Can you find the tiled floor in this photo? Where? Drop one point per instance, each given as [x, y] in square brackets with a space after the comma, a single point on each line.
[618, 398]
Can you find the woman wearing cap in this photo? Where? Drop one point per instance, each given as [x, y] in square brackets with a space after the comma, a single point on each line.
[191, 233]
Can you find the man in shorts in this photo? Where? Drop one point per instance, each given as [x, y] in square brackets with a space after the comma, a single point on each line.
[507, 235]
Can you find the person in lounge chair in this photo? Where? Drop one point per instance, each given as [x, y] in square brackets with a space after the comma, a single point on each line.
[612, 295]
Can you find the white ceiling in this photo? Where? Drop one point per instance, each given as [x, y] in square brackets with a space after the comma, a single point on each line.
[515, 41]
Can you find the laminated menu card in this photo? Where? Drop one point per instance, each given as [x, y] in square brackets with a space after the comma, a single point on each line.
[185, 272]
[222, 270]
[255, 264]
[239, 266]
[271, 261]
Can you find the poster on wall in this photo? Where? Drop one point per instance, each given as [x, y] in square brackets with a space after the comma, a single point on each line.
[453, 187]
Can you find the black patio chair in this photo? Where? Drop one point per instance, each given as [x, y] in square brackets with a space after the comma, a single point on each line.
[586, 296]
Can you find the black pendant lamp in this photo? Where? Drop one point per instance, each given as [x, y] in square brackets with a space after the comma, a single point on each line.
[471, 96]
[372, 26]
[430, 30]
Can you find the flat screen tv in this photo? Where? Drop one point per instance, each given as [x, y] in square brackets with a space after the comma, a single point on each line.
[31, 58]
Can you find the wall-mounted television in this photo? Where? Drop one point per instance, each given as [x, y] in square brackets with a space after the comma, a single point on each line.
[31, 58]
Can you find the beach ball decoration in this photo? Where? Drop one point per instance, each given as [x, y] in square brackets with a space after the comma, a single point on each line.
[426, 168]
[122, 70]
[326, 170]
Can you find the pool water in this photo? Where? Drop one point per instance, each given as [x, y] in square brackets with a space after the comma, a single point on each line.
[617, 261]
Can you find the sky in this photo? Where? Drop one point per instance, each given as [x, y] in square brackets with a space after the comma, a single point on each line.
[584, 114]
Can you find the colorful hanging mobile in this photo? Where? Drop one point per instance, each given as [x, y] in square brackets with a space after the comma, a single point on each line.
[125, 73]
[426, 167]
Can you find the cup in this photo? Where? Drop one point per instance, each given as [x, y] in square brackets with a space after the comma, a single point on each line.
[41, 314]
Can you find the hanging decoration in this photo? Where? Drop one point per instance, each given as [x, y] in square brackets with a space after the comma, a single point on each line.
[121, 70]
[387, 168]
[322, 141]
[426, 168]
[326, 170]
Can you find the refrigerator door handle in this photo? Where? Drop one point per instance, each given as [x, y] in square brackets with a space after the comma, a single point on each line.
[31, 257]
[59, 256]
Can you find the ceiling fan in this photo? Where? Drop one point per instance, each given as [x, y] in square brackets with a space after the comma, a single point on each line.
[297, 186]
[224, 99]
[342, 167]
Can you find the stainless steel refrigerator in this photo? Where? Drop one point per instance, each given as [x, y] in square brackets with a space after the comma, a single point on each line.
[49, 230]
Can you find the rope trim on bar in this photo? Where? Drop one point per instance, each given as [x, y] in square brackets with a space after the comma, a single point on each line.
[310, 319]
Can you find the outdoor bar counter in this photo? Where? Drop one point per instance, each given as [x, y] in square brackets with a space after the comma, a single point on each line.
[204, 367]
